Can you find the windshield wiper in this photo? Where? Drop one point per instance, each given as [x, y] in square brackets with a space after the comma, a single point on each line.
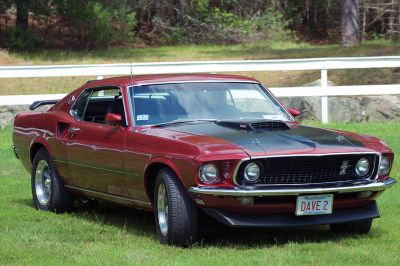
[182, 121]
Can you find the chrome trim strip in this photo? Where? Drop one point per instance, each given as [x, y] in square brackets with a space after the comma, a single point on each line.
[376, 186]
[304, 155]
[131, 106]
[194, 81]
[90, 166]
[138, 202]
[377, 170]
[267, 91]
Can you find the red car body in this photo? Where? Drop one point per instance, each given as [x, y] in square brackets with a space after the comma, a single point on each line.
[120, 163]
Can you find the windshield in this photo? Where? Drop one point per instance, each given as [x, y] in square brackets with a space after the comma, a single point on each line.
[163, 103]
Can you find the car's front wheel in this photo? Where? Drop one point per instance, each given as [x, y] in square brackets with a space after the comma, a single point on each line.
[175, 213]
[356, 227]
[48, 191]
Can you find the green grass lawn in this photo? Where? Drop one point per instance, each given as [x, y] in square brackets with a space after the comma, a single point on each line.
[118, 236]
[259, 50]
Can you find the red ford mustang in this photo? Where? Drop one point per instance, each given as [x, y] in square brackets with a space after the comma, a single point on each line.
[177, 144]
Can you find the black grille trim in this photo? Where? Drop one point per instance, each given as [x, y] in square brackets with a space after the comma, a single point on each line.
[309, 169]
[255, 125]
[270, 125]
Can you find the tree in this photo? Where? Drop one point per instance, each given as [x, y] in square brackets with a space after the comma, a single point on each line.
[4, 5]
[350, 28]
[22, 7]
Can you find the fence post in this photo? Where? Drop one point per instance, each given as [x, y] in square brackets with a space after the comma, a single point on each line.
[324, 99]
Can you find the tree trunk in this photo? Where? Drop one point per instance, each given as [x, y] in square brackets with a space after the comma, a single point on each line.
[394, 27]
[22, 7]
[350, 23]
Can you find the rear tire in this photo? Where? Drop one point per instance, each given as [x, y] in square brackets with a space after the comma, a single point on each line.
[356, 227]
[175, 213]
[48, 191]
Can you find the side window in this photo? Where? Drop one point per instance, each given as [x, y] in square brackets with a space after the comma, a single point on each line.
[105, 92]
[93, 105]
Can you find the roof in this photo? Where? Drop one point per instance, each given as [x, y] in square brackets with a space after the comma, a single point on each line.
[170, 78]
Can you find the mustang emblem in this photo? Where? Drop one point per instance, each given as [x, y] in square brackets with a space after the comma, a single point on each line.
[343, 168]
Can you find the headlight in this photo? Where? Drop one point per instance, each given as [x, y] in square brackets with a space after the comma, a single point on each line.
[362, 167]
[384, 166]
[252, 172]
[208, 173]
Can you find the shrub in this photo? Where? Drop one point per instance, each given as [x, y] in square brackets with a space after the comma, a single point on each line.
[124, 22]
[88, 24]
[207, 23]
[273, 24]
[19, 40]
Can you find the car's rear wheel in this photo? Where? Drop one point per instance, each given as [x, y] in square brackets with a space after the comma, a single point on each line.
[175, 213]
[356, 227]
[48, 191]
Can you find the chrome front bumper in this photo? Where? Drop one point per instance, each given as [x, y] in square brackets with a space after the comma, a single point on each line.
[375, 186]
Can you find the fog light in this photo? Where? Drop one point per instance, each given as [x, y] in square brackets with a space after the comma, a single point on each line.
[365, 194]
[200, 201]
[246, 200]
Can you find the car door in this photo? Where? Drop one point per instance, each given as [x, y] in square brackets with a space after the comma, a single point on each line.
[95, 149]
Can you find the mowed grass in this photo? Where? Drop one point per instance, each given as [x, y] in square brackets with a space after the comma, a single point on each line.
[248, 51]
[113, 235]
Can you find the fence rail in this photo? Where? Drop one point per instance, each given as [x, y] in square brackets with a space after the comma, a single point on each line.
[321, 64]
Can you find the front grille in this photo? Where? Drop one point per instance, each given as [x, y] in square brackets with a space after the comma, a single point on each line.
[310, 169]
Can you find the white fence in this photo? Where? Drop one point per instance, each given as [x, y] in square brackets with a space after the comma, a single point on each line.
[321, 64]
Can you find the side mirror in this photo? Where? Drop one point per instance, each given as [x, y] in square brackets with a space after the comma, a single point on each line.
[294, 112]
[113, 119]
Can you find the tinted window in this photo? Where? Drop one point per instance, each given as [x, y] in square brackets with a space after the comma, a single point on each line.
[94, 105]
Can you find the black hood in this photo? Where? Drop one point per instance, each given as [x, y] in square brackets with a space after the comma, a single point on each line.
[282, 138]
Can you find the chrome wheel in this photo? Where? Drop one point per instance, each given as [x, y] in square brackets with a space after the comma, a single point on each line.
[43, 182]
[175, 213]
[162, 209]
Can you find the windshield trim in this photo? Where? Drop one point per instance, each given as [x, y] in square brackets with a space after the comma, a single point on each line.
[194, 81]
[289, 115]
[131, 87]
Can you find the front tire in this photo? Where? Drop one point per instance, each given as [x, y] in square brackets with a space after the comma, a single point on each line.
[356, 227]
[48, 191]
[175, 213]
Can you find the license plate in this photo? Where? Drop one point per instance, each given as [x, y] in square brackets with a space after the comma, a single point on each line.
[314, 204]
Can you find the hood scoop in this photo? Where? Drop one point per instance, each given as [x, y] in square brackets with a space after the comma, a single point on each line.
[255, 125]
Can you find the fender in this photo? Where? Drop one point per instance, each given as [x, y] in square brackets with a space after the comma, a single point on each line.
[41, 140]
[162, 160]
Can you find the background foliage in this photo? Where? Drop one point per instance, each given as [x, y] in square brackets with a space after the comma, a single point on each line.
[86, 24]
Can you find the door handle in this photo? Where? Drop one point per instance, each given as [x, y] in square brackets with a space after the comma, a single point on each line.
[72, 131]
